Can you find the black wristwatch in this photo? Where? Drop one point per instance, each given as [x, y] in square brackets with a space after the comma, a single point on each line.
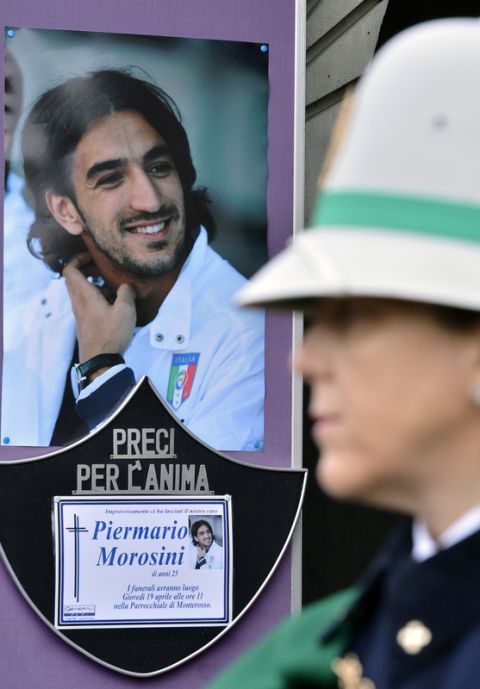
[82, 371]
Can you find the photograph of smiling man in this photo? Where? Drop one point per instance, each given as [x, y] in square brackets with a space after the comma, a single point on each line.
[206, 551]
[120, 220]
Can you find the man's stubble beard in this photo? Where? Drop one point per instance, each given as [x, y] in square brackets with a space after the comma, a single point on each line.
[123, 260]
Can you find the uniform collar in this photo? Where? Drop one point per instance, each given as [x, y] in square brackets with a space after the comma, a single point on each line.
[458, 545]
[424, 546]
[171, 328]
[403, 590]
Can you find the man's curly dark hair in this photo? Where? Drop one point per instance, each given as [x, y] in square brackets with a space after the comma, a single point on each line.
[196, 526]
[53, 129]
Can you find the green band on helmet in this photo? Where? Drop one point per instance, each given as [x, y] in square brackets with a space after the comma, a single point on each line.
[392, 212]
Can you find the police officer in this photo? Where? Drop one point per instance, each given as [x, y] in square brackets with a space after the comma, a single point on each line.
[389, 277]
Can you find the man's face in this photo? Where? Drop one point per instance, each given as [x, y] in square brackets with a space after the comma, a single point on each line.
[129, 195]
[204, 537]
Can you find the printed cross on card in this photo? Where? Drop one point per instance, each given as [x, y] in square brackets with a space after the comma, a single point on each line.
[76, 529]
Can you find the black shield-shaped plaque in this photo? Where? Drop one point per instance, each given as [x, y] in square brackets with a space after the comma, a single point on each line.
[142, 457]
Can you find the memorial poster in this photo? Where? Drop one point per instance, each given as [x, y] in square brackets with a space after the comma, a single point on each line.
[133, 562]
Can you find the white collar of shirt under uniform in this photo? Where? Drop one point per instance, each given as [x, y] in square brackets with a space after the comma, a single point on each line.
[424, 546]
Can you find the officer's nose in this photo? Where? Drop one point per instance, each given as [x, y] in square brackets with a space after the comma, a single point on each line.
[144, 195]
[318, 356]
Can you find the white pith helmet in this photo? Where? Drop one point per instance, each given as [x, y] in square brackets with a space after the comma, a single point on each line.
[399, 214]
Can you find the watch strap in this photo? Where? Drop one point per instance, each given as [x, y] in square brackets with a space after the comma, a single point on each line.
[86, 368]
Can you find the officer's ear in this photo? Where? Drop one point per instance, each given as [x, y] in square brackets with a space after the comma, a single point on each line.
[65, 212]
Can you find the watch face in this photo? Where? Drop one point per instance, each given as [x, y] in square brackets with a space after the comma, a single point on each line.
[79, 381]
[79, 373]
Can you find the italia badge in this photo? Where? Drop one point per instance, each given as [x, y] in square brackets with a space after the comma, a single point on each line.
[180, 381]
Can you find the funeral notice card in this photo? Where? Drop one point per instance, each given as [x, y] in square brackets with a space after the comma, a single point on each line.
[140, 562]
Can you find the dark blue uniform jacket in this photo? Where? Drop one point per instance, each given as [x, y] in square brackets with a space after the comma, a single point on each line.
[440, 596]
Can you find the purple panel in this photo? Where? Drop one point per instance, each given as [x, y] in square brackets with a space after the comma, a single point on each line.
[31, 656]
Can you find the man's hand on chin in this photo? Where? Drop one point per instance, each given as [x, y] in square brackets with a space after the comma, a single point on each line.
[105, 322]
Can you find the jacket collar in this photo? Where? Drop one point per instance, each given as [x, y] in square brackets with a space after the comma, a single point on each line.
[441, 592]
[171, 327]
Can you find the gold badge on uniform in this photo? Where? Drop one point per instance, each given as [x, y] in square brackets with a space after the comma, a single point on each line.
[413, 637]
[349, 671]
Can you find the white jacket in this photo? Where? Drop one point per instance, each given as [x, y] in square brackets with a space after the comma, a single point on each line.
[224, 406]
[214, 558]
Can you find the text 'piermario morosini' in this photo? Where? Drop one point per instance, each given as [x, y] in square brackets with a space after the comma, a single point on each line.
[170, 554]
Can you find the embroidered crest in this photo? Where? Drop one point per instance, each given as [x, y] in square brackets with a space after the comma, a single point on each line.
[180, 381]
